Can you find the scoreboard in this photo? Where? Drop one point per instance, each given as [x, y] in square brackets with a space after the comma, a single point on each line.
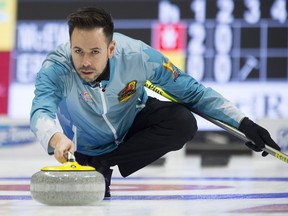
[238, 47]
[238, 41]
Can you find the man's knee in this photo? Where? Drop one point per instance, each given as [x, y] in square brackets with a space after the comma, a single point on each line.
[185, 126]
[189, 126]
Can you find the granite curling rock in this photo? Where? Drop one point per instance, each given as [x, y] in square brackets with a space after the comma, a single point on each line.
[70, 184]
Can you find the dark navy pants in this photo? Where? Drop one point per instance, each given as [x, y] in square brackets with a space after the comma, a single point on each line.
[161, 127]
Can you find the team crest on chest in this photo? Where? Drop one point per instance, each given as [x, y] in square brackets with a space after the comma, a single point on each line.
[128, 91]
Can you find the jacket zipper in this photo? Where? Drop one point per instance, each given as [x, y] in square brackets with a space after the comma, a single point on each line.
[105, 112]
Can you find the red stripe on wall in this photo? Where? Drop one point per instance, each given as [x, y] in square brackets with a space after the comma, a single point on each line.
[4, 81]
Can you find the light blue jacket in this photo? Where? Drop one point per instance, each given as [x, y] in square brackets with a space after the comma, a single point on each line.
[96, 120]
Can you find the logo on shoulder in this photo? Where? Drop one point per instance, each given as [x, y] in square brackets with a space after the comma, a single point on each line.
[172, 68]
[128, 91]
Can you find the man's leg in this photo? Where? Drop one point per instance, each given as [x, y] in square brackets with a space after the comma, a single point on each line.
[159, 128]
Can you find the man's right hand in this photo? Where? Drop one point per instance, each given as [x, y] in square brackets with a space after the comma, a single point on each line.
[61, 144]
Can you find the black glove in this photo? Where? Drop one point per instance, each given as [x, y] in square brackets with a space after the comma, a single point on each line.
[259, 135]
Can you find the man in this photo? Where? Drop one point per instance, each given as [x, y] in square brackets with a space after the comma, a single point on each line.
[95, 84]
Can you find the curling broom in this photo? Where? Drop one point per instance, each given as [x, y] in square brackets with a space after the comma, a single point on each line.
[232, 130]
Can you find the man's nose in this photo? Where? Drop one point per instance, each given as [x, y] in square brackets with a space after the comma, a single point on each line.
[86, 61]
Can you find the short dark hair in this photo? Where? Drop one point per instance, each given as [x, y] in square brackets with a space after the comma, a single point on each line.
[89, 18]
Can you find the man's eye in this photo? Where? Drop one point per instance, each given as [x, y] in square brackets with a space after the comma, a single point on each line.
[95, 52]
[78, 51]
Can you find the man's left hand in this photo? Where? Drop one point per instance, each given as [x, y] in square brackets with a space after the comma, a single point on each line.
[259, 135]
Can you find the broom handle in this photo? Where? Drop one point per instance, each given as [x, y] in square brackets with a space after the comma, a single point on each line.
[242, 136]
[234, 131]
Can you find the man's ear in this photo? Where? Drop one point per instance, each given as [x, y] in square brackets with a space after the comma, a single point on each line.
[111, 49]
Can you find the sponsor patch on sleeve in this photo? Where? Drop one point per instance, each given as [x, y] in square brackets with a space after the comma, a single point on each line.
[168, 65]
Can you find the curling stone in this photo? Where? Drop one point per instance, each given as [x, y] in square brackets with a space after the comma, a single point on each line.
[70, 184]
